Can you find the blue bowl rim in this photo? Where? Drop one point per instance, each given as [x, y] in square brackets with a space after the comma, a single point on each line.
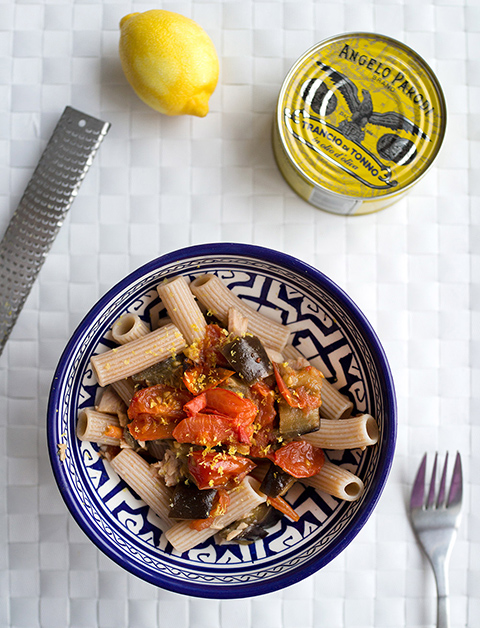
[316, 563]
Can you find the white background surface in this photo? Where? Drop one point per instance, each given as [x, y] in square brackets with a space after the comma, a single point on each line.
[161, 183]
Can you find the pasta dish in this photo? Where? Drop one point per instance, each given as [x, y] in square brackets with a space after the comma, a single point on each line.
[212, 416]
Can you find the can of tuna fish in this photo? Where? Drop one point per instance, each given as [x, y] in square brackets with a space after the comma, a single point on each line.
[360, 119]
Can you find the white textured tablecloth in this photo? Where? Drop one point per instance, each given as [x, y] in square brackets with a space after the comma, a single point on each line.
[158, 184]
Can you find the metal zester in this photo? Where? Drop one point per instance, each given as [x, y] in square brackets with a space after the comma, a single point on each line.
[42, 209]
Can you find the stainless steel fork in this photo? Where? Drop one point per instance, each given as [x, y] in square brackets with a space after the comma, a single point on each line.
[435, 520]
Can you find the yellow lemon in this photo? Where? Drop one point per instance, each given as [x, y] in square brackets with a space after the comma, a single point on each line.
[169, 60]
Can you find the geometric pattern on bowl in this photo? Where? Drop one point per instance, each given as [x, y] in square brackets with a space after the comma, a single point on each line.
[328, 329]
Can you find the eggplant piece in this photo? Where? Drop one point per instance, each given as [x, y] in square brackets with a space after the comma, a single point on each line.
[168, 372]
[247, 356]
[236, 385]
[189, 502]
[294, 422]
[252, 528]
[276, 482]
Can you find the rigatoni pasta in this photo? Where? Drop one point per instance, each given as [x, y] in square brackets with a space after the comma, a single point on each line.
[125, 389]
[110, 402]
[94, 426]
[182, 308]
[337, 481]
[335, 405]
[137, 473]
[134, 356]
[218, 299]
[353, 433]
[129, 327]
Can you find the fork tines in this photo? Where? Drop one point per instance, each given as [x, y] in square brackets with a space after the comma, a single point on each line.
[454, 498]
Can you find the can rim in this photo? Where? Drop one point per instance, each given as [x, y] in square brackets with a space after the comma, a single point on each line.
[419, 59]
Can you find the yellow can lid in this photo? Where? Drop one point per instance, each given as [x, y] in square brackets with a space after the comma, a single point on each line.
[361, 115]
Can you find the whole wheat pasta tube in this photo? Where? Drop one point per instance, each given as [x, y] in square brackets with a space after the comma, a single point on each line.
[137, 355]
[243, 499]
[274, 356]
[355, 432]
[217, 298]
[110, 402]
[182, 308]
[91, 426]
[336, 481]
[144, 480]
[125, 389]
[334, 404]
[129, 327]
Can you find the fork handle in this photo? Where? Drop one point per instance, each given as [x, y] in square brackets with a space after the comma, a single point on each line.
[443, 612]
[440, 568]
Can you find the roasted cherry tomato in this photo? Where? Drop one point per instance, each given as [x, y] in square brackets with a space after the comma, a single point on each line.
[300, 389]
[264, 398]
[210, 469]
[159, 400]
[229, 403]
[211, 430]
[264, 432]
[155, 411]
[284, 507]
[147, 427]
[300, 459]
[196, 405]
[217, 416]
[200, 378]
[262, 441]
[207, 351]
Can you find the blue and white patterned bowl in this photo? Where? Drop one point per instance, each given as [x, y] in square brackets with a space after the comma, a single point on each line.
[327, 327]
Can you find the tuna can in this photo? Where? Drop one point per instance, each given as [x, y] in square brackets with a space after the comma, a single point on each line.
[360, 119]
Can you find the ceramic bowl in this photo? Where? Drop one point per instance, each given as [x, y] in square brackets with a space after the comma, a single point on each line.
[327, 327]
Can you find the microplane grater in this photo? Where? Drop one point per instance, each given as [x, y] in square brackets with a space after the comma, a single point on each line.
[42, 209]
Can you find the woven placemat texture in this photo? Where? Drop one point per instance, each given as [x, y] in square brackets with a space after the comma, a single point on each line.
[162, 183]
